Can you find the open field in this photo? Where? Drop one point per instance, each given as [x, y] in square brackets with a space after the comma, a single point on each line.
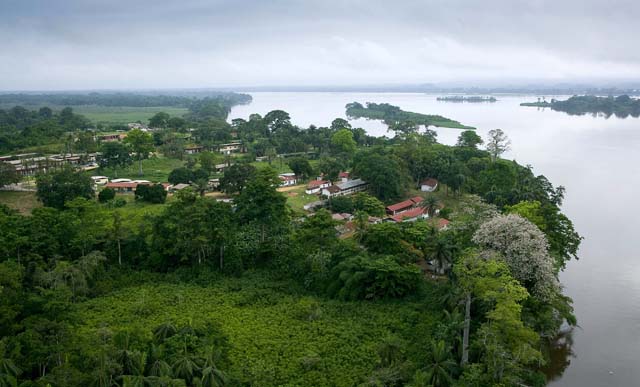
[21, 201]
[125, 114]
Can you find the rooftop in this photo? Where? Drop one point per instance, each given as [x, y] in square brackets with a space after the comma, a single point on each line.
[350, 184]
[405, 204]
[412, 213]
[430, 182]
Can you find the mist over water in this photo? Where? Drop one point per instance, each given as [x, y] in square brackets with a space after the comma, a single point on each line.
[596, 159]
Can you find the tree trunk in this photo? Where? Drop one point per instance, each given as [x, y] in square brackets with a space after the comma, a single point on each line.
[465, 332]
[221, 257]
[119, 253]
[140, 164]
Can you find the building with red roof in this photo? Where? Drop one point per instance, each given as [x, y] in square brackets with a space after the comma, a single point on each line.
[410, 215]
[316, 186]
[403, 206]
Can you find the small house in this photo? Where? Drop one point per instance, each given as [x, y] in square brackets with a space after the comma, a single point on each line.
[429, 185]
[193, 149]
[124, 187]
[316, 186]
[287, 180]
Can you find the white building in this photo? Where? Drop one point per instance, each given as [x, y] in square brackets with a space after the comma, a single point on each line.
[316, 186]
[429, 185]
[345, 188]
[288, 179]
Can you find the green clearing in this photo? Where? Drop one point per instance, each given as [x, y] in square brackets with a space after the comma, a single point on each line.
[24, 202]
[125, 114]
[297, 198]
[155, 169]
[277, 337]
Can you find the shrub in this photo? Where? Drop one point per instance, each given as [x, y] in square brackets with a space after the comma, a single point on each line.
[151, 193]
[365, 277]
[106, 194]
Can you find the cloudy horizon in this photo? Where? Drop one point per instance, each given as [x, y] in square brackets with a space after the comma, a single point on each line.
[55, 45]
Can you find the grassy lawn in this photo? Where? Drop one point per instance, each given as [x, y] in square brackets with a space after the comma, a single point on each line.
[155, 169]
[296, 198]
[21, 201]
[279, 165]
[125, 114]
[274, 333]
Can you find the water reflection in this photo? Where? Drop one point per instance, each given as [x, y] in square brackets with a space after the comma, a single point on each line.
[560, 355]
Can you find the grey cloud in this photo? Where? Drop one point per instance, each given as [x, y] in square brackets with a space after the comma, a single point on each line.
[197, 43]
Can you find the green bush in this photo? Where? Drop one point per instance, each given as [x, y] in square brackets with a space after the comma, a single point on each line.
[151, 193]
[106, 194]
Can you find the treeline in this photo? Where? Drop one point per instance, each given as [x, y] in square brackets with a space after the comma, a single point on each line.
[622, 106]
[393, 115]
[117, 99]
[20, 128]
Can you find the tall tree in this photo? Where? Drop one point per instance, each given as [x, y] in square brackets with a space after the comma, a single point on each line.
[114, 155]
[498, 143]
[469, 139]
[57, 188]
[8, 174]
[524, 248]
[159, 120]
[259, 203]
[141, 144]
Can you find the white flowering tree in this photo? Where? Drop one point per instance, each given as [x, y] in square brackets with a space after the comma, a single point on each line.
[524, 248]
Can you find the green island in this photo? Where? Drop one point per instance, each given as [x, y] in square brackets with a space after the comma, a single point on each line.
[393, 116]
[260, 253]
[621, 106]
[465, 98]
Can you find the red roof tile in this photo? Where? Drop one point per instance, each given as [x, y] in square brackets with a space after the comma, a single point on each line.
[316, 183]
[413, 213]
[404, 204]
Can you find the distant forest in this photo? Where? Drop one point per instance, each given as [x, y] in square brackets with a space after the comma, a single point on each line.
[622, 106]
[118, 99]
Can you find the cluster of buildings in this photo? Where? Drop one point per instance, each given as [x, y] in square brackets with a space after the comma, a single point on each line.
[30, 164]
[405, 211]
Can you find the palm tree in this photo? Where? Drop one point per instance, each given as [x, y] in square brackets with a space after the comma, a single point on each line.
[442, 253]
[184, 365]
[361, 221]
[430, 205]
[8, 372]
[439, 364]
[211, 376]
[164, 331]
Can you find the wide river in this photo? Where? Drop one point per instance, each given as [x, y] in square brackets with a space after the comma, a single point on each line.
[595, 158]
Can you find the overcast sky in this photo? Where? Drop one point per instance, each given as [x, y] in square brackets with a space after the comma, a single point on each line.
[98, 44]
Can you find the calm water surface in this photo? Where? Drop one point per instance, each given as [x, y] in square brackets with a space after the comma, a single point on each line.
[596, 159]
